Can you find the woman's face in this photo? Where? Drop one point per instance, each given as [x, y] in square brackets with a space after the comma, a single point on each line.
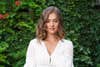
[52, 24]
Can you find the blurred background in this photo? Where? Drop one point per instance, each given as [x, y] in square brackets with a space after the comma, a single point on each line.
[18, 19]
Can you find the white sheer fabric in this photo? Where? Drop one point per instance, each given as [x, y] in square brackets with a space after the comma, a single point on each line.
[37, 54]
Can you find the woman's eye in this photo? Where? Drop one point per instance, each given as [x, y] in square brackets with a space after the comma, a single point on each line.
[55, 21]
[47, 21]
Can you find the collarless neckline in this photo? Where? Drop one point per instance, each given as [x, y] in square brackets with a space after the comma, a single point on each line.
[55, 49]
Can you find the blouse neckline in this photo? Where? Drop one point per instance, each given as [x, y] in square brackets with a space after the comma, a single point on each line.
[43, 43]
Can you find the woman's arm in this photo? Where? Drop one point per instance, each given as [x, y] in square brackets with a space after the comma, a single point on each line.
[69, 54]
[30, 55]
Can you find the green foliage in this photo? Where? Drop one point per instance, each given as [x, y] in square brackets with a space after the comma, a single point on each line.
[3, 48]
[18, 21]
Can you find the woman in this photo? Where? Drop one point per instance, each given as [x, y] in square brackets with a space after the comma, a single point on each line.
[49, 48]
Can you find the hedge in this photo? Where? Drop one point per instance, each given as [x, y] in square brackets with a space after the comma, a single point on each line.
[18, 20]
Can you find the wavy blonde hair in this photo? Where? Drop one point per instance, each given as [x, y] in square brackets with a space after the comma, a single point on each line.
[41, 32]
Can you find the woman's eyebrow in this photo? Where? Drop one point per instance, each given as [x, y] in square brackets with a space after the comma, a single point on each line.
[53, 19]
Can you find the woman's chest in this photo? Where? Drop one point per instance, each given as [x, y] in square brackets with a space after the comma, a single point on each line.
[56, 58]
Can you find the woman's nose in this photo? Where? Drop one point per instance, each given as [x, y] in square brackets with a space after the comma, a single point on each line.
[52, 23]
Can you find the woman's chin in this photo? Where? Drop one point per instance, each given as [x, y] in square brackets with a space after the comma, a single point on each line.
[52, 32]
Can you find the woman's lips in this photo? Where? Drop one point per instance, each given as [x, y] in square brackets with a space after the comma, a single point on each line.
[52, 28]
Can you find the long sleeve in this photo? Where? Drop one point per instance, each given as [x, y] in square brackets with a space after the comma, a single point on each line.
[30, 59]
[69, 54]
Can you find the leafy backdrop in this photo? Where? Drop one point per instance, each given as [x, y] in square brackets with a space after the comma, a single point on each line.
[18, 19]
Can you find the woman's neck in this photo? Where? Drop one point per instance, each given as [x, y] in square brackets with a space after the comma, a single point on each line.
[52, 38]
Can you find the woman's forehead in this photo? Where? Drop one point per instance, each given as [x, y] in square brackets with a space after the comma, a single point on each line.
[52, 16]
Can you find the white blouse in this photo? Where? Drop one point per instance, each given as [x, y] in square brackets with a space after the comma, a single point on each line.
[38, 56]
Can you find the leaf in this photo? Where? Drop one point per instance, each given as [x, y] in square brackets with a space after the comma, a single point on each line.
[23, 24]
[3, 46]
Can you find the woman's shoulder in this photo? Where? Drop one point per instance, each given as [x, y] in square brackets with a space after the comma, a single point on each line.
[34, 41]
[67, 42]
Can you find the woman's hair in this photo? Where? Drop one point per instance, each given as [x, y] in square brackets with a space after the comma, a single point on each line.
[41, 32]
